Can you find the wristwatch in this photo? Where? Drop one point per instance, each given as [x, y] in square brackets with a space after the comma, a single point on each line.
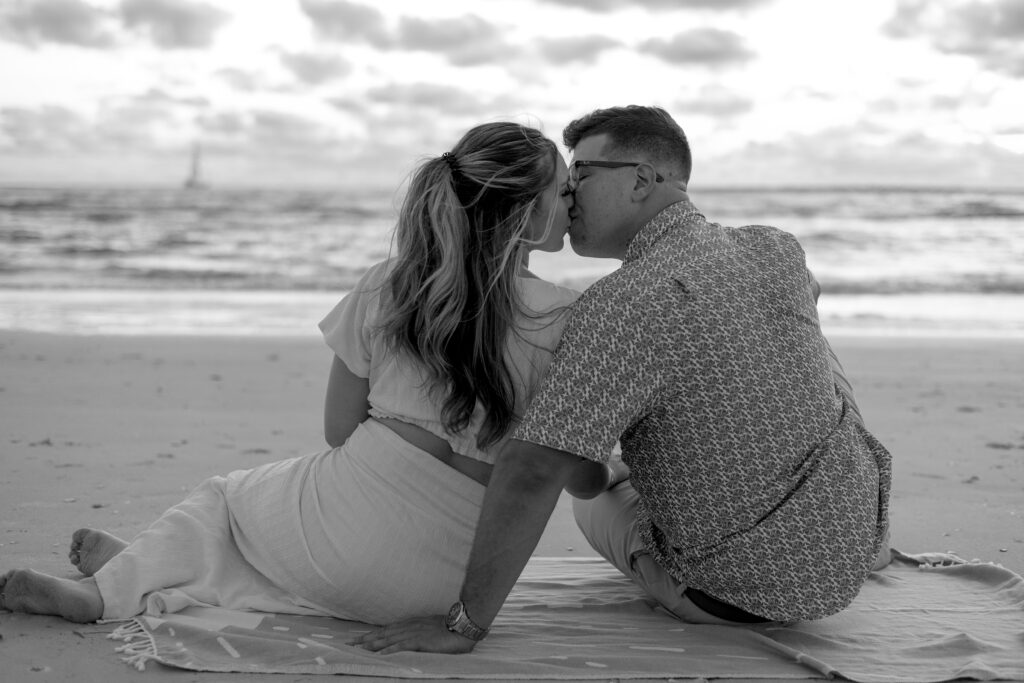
[458, 621]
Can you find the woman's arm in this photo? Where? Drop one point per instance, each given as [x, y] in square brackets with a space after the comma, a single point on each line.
[346, 404]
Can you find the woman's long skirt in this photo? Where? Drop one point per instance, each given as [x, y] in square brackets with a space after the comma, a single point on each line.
[376, 530]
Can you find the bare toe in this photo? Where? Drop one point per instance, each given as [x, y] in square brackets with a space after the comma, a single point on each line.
[74, 552]
[3, 586]
[92, 548]
[24, 590]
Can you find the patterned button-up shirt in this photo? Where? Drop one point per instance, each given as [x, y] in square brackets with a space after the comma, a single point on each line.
[703, 356]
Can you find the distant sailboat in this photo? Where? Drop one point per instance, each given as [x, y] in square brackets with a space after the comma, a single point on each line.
[194, 181]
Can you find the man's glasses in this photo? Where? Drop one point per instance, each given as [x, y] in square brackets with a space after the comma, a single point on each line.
[574, 170]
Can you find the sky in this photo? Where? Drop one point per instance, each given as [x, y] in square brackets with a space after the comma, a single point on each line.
[351, 94]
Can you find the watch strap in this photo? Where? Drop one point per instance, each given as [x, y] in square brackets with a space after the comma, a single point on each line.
[458, 621]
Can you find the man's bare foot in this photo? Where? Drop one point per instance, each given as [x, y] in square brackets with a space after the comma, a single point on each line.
[24, 590]
[91, 549]
[883, 558]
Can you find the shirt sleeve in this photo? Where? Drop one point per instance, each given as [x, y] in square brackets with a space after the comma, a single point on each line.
[605, 378]
[348, 328]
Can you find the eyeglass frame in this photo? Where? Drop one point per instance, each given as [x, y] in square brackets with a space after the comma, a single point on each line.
[573, 185]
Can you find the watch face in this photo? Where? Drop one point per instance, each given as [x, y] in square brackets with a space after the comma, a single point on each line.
[459, 622]
[453, 613]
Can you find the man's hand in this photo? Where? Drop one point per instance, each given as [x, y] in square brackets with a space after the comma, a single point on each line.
[422, 634]
[618, 471]
[590, 479]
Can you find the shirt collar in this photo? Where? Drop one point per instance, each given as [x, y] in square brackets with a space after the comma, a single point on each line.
[679, 214]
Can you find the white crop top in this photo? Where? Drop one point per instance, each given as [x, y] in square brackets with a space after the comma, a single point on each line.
[398, 384]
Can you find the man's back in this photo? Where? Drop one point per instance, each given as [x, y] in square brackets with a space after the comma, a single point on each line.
[707, 359]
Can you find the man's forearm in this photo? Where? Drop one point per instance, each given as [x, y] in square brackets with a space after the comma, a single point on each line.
[523, 490]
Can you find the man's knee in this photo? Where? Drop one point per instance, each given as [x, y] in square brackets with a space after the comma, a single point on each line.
[608, 522]
[839, 376]
[614, 509]
[588, 515]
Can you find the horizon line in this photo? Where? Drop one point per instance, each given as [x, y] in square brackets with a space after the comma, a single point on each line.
[715, 187]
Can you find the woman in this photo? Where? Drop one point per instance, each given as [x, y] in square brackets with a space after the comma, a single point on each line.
[437, 351]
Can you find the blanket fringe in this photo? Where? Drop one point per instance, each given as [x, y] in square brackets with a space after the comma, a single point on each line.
[139, 644]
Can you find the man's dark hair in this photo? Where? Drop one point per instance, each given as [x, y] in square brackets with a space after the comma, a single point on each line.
[636, 129]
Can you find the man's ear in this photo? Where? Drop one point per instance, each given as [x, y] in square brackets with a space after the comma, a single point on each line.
[646, 180]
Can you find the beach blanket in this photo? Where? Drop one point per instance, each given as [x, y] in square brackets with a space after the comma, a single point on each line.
[930, 617]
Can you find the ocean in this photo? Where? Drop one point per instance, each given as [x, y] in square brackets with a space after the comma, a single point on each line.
[258, 262]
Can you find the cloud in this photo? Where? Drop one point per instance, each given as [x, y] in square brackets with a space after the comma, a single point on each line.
[244, 81]
[315, 69]
[906, 19]
[134, 124]
[418, 96]
[349, 105]
[270, 132]
[585, 49]
[656, 5]
[706, 46]
[842, 156]
[150, 120]
[223, 124]
[70, 22]
[45, 128]
[418, 118]
[163, 98]
[448, 107]
[174, 23]
[443, 34]
[715, 101]
[465, 41]
[138, 141]
[957, 101]
[991, 31]
[289, 133]
[343, 21]
[169, 23]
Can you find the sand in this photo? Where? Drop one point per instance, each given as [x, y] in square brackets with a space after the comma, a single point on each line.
[108, 432]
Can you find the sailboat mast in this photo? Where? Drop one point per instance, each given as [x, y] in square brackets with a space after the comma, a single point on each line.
[195, 162]
[194, 181]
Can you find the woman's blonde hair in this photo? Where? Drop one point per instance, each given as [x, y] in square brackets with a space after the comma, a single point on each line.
[453, 295]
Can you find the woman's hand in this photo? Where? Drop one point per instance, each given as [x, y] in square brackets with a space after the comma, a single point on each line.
[346, 403]
[422, 634]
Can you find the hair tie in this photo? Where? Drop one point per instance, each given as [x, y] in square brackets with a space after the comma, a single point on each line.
[452, 162]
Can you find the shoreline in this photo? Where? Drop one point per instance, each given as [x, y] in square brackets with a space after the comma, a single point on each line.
[109, 431]
[294, 313]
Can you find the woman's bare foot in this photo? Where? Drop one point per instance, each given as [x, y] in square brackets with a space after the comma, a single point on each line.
[24, 590]
[91, 549]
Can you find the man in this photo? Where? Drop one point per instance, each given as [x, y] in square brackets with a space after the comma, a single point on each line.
[754, 491]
